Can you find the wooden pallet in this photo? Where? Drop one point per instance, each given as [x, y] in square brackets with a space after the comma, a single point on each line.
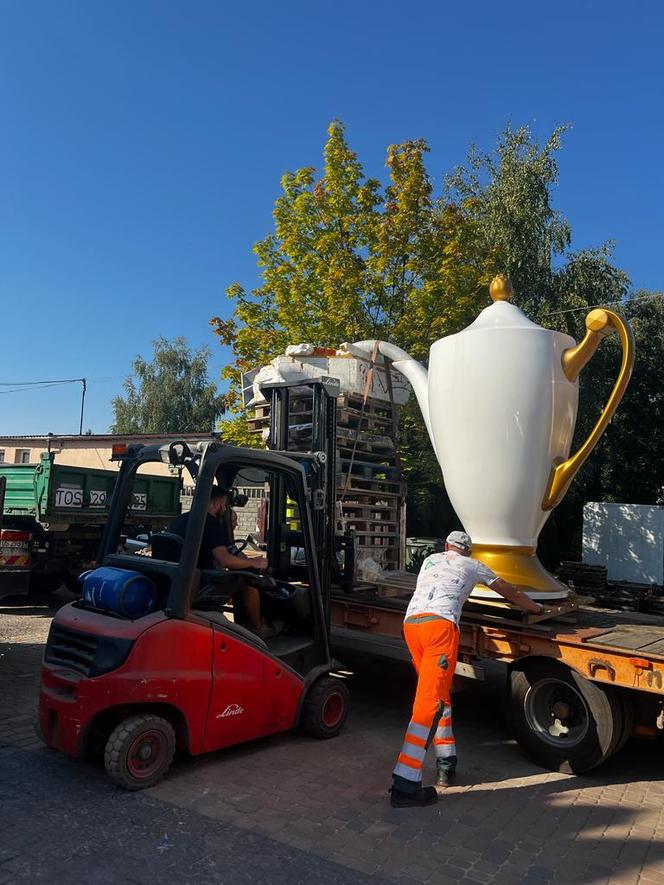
[368, 485]
[371, 485]
[353, 418]
[376, 407]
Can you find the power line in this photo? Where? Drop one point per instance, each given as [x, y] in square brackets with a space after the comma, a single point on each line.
[606, 304]
[48, 381]
[29, 386]
[28, 389]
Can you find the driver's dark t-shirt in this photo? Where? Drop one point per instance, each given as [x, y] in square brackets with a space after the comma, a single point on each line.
[214, 535]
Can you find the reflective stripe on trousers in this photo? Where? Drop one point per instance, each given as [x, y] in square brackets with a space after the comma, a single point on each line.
[443, 739]
[433, 644]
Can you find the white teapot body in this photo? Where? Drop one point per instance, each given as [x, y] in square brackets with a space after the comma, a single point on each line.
[502, 412]
[500, 403]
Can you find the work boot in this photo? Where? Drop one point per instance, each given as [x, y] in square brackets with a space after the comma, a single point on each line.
[446, 770]
[445, 778]
[417, 799]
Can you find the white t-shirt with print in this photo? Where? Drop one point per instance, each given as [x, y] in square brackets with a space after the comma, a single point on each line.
[445, 582]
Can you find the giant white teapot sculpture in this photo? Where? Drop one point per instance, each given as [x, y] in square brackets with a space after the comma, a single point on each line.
[500, 403]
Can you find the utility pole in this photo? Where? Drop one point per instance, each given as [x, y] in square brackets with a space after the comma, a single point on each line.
[84, 385]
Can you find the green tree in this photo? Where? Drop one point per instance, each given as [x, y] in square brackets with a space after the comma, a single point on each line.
[169, 394]
[504, 199]
[350, 258]
[627, 464]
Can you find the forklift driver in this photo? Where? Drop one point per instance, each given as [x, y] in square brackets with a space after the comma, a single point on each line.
[214, 554]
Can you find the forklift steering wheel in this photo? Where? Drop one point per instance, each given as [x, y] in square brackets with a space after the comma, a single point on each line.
[266, 582]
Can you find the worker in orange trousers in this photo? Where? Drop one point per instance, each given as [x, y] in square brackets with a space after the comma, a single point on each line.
[431, 631]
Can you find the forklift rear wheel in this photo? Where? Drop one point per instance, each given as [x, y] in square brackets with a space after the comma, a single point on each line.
[325, 708]
[561, 720]
[139, 751]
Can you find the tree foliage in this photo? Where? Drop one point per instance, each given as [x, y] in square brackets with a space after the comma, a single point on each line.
[169, 394]
[350, 258]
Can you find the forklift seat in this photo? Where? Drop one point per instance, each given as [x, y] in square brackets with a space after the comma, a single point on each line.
[166, 546]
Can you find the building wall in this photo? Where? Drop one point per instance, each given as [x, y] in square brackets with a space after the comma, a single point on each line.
[80, 452]
[247, 516]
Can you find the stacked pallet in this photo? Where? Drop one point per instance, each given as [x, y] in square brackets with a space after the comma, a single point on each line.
[370, 491]
[586, 579]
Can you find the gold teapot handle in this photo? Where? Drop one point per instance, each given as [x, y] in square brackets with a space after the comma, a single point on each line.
[599, 324]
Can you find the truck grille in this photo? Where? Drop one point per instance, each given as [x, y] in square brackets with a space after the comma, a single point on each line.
[68, 648]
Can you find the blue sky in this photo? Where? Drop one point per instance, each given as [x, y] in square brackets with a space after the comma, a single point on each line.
[142, 142]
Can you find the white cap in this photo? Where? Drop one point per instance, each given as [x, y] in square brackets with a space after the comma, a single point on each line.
[460, 539]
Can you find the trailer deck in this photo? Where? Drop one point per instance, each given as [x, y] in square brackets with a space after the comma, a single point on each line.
[619, 648]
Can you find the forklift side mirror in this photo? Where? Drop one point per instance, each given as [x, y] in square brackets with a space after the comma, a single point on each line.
[175, 454]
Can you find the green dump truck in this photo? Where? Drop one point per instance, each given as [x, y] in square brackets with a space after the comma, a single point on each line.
[53, 517]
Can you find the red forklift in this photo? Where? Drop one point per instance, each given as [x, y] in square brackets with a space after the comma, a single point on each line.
[154, 657]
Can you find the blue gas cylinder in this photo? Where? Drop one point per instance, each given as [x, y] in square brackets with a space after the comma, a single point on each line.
[119, 591]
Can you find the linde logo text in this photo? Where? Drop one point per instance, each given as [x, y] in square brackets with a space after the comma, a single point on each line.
[231, 710]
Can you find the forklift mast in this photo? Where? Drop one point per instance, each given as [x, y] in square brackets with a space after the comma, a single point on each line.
[321, 468]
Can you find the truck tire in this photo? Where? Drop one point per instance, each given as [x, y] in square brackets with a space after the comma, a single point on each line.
[139, 751]
[628, 712]
[325, 708]
[561, 720]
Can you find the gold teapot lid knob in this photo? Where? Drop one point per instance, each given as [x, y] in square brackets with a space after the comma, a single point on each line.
[501, 288]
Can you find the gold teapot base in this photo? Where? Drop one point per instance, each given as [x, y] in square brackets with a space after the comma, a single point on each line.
[519, 566]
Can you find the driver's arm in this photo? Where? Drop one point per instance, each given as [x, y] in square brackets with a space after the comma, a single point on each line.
[223, 559]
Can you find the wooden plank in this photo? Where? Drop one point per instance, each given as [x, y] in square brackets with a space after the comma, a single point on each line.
[480, 607]
[349, 413]
[378, 493]
[364, 534]
[356, 505]
[341, 478]
[636, 637]
[368, 521]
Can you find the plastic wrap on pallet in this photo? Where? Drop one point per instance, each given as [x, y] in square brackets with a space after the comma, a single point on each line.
[368, 569]
[304, 362]
[309, 350]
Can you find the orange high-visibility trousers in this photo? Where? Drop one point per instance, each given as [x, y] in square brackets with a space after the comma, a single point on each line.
[433, 643]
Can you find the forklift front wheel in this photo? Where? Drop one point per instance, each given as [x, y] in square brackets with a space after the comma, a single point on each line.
[139, 751]
[325, 708]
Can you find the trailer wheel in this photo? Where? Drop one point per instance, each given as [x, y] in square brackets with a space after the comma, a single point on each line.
[325, 708]
[139, 751]
[628, 712]
[561, 720]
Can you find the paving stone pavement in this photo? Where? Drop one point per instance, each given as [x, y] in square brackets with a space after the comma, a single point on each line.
[291, 809]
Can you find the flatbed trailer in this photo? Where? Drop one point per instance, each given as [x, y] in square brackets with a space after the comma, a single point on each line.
[579, 682]
[578, 685]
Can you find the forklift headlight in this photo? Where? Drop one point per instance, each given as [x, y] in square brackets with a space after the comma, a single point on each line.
[111, 653]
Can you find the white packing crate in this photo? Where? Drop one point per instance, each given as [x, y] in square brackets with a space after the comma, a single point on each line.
[304, 362]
